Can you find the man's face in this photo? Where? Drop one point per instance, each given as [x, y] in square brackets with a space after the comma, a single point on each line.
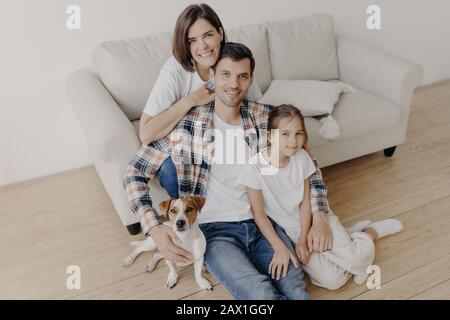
[232, 80]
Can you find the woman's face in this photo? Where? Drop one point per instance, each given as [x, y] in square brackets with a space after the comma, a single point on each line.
[204, 43]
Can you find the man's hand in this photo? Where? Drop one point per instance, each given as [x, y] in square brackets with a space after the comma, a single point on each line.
[320, 237]
[166, 240]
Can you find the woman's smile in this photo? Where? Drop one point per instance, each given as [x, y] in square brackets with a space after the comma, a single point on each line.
[206, 54]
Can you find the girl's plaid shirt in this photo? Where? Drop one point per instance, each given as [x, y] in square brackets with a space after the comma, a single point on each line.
[190, 145]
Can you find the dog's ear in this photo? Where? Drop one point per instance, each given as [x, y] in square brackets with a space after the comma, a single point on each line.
[165, 206]
[199, 202]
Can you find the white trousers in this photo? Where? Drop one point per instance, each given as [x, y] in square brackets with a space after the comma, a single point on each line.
[350, 255]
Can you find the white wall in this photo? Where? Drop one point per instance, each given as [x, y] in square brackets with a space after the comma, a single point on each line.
[40, 134]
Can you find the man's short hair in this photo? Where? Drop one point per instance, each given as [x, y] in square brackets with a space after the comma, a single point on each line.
[236, 52]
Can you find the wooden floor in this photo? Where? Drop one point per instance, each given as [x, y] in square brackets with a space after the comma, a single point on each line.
[67, 219]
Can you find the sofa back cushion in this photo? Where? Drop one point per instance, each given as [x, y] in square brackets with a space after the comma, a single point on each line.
[303, 48]
[129, 68]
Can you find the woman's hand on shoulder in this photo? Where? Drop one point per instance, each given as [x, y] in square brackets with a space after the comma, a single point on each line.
[201, 96]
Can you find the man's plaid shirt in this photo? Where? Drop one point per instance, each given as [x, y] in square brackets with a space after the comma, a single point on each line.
[191, 147]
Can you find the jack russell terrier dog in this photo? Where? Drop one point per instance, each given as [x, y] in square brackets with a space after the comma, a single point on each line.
[181, 215]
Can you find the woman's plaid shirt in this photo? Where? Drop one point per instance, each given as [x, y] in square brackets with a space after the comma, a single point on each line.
[191, 147]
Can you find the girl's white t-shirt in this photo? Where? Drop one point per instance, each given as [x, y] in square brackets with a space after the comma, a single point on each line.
[282, 189]
[174, 83]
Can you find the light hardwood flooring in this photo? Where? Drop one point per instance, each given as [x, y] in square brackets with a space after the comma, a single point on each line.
[67, 219]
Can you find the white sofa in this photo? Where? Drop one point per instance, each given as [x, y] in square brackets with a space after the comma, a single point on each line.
[109, 96]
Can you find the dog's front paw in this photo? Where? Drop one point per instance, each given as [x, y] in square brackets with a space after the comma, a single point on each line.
[150, 266]
[128, 261]
[204, 284]
[171, 281]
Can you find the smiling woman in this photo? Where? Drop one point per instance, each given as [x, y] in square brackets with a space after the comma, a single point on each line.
[204, 46]
[182, 82]
[197, 40]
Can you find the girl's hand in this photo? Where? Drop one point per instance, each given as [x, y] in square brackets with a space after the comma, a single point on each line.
[279, 265]
[302, 252]
[201, 96]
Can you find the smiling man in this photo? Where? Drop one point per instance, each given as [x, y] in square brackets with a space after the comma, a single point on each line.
[237, 253]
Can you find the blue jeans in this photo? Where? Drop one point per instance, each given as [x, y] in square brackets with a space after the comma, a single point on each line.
[238, 254]
[168, 179]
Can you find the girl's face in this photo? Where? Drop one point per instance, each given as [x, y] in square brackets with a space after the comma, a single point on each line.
[289, 138]
[204, 43]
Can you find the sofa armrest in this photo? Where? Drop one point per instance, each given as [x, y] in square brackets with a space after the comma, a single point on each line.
[375, 71]
[110, 134]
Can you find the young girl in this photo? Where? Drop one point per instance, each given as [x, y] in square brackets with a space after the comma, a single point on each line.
[277, 184]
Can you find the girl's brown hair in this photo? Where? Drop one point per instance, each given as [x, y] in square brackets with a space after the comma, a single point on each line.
[185, 20]
[285, 111]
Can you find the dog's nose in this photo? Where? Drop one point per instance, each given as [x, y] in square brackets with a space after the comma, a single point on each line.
[181, 223]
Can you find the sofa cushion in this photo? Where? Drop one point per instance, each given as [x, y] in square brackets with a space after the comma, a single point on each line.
[303, 48]
[254, 37]
[312, 97]
[357, 113]
[129, 68]
[361, 112]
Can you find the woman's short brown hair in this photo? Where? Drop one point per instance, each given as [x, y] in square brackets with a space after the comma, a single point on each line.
[186, 19]
[285, 111]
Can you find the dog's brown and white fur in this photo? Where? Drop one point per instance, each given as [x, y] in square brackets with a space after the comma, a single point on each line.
[182, 217]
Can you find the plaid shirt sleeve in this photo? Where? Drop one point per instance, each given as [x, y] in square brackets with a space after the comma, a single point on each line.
[140, 171]
[319, 201]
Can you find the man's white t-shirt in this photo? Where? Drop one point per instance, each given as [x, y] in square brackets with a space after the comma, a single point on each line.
[282, 189]
[174, 83]
[226, 198]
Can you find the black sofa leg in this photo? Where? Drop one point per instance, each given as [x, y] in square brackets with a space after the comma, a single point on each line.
[134, 229]
[389, 151]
